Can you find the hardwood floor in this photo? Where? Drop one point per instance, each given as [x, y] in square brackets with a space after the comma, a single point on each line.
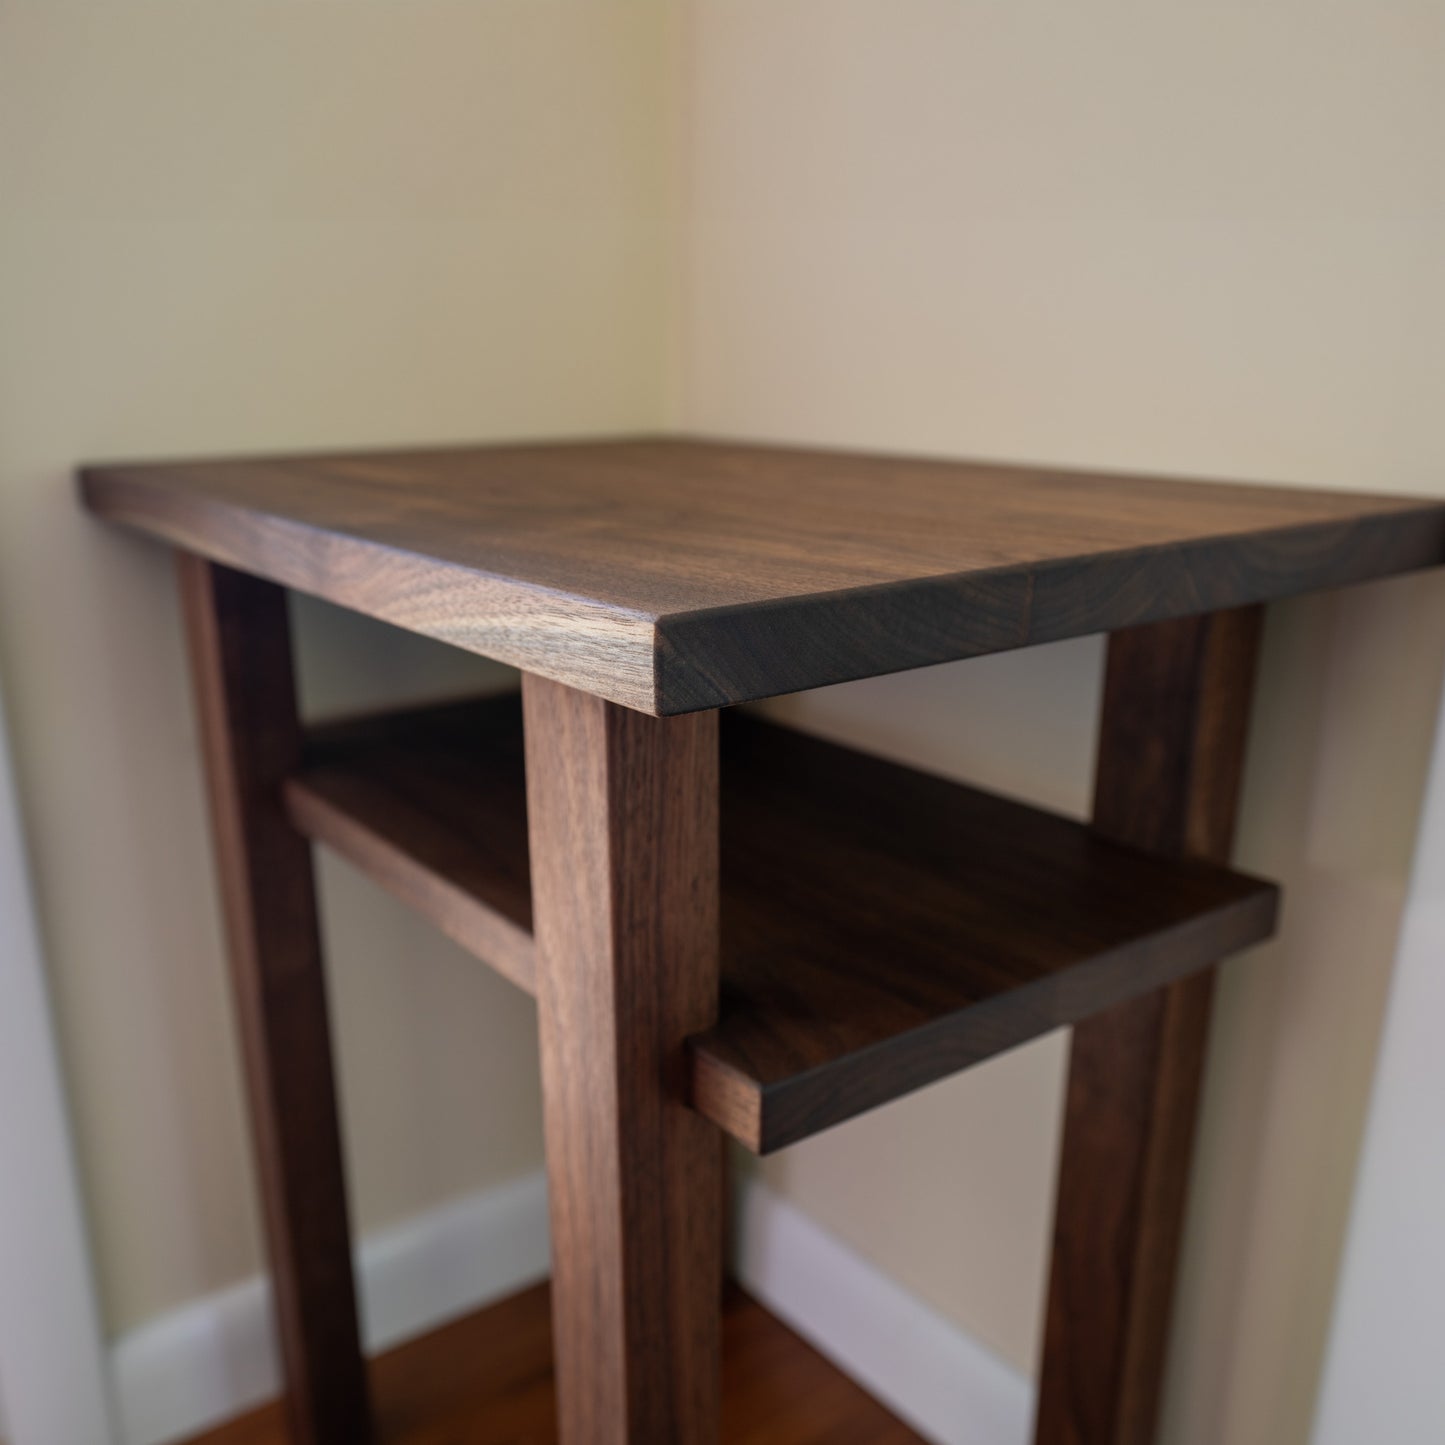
[487, 1380]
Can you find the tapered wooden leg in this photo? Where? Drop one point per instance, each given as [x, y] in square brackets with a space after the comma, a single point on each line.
[622, 813]
[241, 657]
[1171, 751]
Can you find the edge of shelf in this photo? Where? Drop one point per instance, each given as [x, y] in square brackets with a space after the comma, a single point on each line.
[430, 803]
[767, 1116]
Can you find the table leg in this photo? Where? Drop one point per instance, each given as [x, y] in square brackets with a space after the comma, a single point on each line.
[1171, 752]
[241, 658]
[622, 814]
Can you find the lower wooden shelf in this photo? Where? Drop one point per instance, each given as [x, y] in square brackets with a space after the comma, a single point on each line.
[487, 1380]
[881, 928]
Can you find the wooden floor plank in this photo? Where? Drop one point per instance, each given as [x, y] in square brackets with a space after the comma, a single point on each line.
[487, 1380]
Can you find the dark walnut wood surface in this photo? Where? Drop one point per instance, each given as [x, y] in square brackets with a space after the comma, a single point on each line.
[675, 575]
[241, 665]
[881, 928]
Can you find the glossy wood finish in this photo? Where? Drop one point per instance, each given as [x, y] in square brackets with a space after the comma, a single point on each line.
[241, 661]
[1176, 711]
[881, 928]
[624, 851]
[487, 1380]
[674, 575]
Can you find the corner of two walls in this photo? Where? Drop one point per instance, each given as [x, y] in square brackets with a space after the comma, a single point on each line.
[1191, 242]
[1190, 245]
[260, 227]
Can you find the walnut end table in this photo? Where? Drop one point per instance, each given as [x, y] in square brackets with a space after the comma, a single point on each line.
[731, 928]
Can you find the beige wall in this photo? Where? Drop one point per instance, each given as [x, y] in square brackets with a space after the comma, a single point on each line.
[256, 225]
[1190, 239]
[1194, 241]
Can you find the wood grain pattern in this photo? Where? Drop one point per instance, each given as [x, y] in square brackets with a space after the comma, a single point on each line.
[624, 851]
[487, 1380]
[675, 575]
[440, 823]
[241, 661]
[880, 928]
[883, 929]
[1171, 752]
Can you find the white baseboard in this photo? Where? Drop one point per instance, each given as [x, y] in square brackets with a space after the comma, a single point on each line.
[930, 1373]
[216, 1357]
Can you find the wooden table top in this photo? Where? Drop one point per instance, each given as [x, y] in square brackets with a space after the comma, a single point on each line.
[672, 574]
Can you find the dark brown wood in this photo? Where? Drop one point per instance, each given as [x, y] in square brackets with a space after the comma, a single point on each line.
[1171, 751]
[881, 928]
[624, 850]
[241, 659]
[440, 821]
[674, 575]
[487, 1380]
